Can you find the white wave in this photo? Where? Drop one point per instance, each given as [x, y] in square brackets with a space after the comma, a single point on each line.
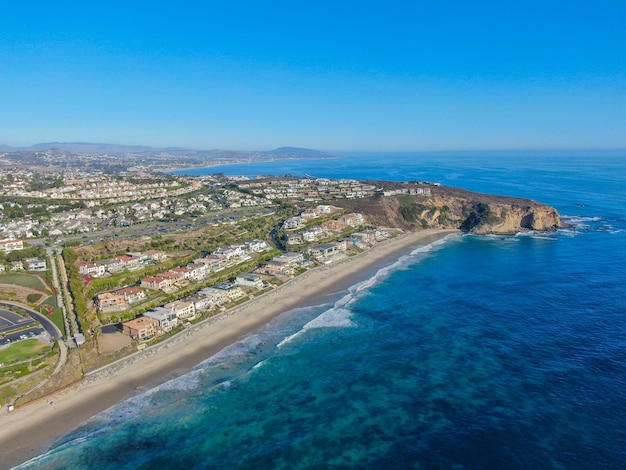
[288, 339]
[258, 364]
[580, 223]
[567, 232]
[340, 316]
[335, 317]
[126, 410]
[236, 350]
[402, 263]
[187, 382]
[610, 229]
[501, 237]
[537, 235]
[576, 219]
[37, 461]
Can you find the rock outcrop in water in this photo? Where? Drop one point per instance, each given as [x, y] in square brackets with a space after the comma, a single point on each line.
[456, 208]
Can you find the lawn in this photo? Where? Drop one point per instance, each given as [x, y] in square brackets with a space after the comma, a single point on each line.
[57, 314]
[25, 280]
[57, 319]
[23, 351]
[52, 301]
[33, 298]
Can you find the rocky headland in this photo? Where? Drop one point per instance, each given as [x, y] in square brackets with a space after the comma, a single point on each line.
[455, 208]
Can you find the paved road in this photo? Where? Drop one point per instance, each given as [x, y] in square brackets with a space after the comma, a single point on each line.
[50, 327]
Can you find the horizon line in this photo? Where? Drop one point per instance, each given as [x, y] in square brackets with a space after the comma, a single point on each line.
[353, 151]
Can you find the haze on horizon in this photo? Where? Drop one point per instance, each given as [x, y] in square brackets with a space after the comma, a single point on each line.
[392, 76]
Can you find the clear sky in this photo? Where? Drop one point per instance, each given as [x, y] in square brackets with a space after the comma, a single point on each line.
[331, 75]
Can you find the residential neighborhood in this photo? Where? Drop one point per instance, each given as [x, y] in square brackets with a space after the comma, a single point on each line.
[130, 260]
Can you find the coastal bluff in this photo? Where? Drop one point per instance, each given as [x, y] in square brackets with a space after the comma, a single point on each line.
[455, 208]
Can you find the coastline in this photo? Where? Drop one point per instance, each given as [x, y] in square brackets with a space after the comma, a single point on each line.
[29, 431]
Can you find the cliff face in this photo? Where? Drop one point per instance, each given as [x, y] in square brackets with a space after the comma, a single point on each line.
[509, 218]
[459, 209]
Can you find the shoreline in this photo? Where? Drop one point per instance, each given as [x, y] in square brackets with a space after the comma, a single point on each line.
[219, 164]
[32, 429]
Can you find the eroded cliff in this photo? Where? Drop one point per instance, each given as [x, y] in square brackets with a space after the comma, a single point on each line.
[448, 207]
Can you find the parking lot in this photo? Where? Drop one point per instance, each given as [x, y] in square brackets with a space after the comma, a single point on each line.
[10, 321]
[22, 334]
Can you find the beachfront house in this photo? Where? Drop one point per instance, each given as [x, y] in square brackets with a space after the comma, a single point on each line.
[276, 268]
[217, 297]
[325, 250]
[183, 310]
[165, 318]
[141, 328]
[249, 280]
[200, 302]
[233, 291]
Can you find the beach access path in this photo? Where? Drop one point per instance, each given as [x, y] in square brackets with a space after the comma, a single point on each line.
[30, 430]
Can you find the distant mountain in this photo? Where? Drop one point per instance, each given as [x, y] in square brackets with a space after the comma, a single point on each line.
[86, 147]
[89, 148]
[298, 152]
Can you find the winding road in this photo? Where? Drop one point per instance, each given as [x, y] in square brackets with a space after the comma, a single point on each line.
[48, 325]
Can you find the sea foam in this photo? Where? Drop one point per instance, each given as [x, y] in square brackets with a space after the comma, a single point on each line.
[340, 315]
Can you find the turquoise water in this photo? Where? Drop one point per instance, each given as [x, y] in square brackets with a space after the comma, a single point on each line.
[473, 352]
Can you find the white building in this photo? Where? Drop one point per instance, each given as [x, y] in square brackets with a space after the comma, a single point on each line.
[166, 318]
[216, 296]
[257, 245]
[34, 264]
[249, 280]
[183, 310]
[91, 269]
[293, 223]
[8, 245]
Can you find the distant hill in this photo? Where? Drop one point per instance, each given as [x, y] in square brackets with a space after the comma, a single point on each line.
[86, 147]
[298, 152]
[89, 148]
[98, 148]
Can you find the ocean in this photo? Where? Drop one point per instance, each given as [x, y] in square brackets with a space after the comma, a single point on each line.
[478, 352]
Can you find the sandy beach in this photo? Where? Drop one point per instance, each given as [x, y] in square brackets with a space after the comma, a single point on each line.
[30, 430]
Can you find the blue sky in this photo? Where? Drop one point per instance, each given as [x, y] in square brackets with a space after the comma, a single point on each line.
[352, 75]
